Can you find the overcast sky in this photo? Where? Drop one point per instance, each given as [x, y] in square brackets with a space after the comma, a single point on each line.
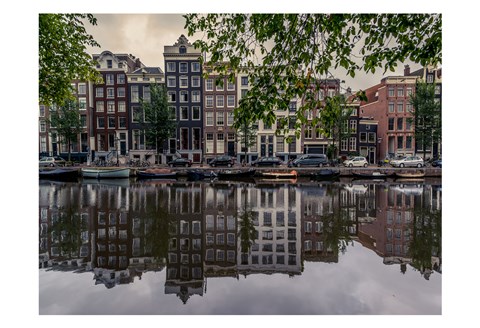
[145, 35]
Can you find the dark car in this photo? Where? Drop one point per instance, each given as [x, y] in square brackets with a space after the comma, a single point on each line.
[310, 160]
[222, 161]
[437, 163]
[267, 161]
[180, 162]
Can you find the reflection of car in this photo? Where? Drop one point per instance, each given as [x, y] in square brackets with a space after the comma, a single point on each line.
[356, 161]
[412, 161]
[52, 161]
[267, 161]
[437, 163]
[180, 161]
[222, 161]
[310, 160]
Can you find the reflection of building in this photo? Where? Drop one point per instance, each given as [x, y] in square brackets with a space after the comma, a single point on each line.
[276, 217]
[185, 247]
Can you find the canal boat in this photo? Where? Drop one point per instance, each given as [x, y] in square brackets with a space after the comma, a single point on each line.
[156, 174]
[372, 175]
[279, 175]
[106, 173]
[195, 175]
[62, 174]
[325, 174]
[410, 175]
[236, 174]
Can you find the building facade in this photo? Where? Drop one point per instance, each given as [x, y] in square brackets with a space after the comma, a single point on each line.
[183, 78]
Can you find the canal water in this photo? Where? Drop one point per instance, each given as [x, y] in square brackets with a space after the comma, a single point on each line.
[259, 247]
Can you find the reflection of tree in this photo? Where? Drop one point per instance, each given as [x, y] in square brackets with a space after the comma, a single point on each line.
[157, 224]
[426, 239]
[66, 232]
[247, 228]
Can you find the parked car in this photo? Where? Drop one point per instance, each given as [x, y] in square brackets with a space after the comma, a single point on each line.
[437, 163]
[52, 161]
[180, 161]
[267, 161]
[409, 161]
[223, 160]
[310, 160]
[395, 159]
[356, 161]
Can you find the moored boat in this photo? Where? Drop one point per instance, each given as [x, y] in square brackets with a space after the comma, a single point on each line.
[373, 175]
[279, 175]
[156, 174]
[325, 174]
[195, 175]
[235, 174]
[410, 175]
[63, 174]
[105, 173]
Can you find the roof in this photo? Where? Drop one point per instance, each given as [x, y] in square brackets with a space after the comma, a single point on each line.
[148, 70]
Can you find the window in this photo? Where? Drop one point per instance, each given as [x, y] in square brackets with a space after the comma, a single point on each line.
[121, 79]
[120, 92]
[173, 112]
[101, 122]
[353, 126]
[195, 67]
[230, 86]
[430, 78]
[82, 103]
[409, 91]
[209, 85]
[409, 107]
[438, 89]
[109, 63]
[308, 132]
[183, 82]
[363, 137]
[110, 106]
[400, 107]
[171, 81]
[110, 93]
[111, 122]
[42, 111]
[292, 107]
[134, 96]
[100, 106]
[400, 142]
[183, 113]
[344, 144]
[122, 122]
[209, 101]
[391, 107]
[280, 144]
[99, 92]
[244, 93]
[209, 119]
[121, 107]
[109, 78]
[353, 144]
[196, 96]
[230, 118]
[400, 92]
[408, 142]
[408, 125]
[183, 96]
[219, 85]
[172, 96]
[391, 123]
[82, 88]
[220, 101]
[196, 81]
[400, 123]
[220, 118]
[372, 137]
[195, 113]
[146, 94]
[391, 92]
[244, 80]
[230, 101]
[170, 66]
[137, 114]
[183, 68]
[43, 126]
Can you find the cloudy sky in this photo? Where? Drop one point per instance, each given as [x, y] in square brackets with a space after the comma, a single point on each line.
[145, 35]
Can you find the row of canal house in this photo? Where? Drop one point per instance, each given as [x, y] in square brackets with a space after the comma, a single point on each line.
[112, 114]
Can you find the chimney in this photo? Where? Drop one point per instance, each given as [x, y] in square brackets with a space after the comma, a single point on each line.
[406, 70]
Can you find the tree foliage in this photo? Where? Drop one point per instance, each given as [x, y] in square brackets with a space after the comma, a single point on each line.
[67, 123]
[287, 54]
[159, 125]
[62, 55]
[427, 115]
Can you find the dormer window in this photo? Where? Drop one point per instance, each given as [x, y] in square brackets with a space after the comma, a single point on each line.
[182, 50]
[109, 63]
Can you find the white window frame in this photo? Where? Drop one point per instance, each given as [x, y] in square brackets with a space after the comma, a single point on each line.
[171, 67]
[209, 119]
[220, 119]
[171, 81]
[209, 101]
[184, 109]
[183, 81]
[196, 81]
[209, 85]
[220, 101]
[180, 67]
[231, 101]
[193, 113]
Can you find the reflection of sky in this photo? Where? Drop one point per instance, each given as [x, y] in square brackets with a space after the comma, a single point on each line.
[358, 284]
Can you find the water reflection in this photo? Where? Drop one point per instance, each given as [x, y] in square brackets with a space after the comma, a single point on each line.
[193, 231]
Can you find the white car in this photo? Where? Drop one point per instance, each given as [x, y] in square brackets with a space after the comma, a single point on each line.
[412, 161]
[356, 161]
